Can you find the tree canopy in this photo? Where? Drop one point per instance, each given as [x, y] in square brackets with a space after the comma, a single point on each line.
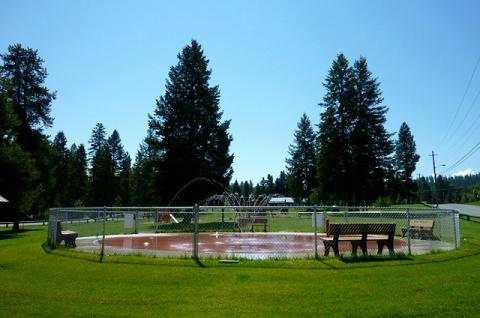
[354, 157]
[301, 164]
[187, 136]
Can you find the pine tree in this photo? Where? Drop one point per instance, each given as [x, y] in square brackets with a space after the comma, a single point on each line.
[280, 186]
[236, 188]
[9, 121]
[301, 164]
[116, 148]
[119, 166]
[333, 159]
[31, 100]
[406, 158]
[247, 189]
[186, 132]
[18, 174]
[370, 142]
[125, 181]
[62, 173]
[354, 157]
[102, 171]
[77, 187]
[101, 178]
[25, 76]
[97, 140]
[143, 192]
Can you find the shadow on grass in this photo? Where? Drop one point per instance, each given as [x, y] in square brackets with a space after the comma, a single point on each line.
[9, 234]
[374, 258]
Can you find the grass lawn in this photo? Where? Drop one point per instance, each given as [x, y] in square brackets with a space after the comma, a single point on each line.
[64, 283]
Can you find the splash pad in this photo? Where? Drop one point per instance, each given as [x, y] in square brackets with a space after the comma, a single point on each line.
[257, 245]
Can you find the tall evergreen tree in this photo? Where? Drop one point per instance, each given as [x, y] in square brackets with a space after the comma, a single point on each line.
[119, 167]
[143, 192]
[77, 187]
[9, 121]
[18, 174]
[280, 186]
[301, 164]
[333, 159]
[116, 149]
[62, 174]
[97, 140]
[102, 170]
[236, 188]
[406, 158]
[125, 181]
[247, 188]
[354, 156]
[187, 134]
[101, 191]
[371, 144]
[31, 101]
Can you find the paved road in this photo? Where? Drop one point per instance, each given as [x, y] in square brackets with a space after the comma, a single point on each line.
[22, 224]
[471, 210]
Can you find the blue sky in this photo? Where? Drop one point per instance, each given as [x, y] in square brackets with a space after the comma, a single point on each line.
[108, 61]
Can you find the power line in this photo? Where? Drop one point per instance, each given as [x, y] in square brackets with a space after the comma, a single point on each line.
[470, 153]
[468, 133]
[461, 103]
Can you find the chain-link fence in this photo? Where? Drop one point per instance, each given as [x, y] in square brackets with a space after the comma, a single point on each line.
[254, 232]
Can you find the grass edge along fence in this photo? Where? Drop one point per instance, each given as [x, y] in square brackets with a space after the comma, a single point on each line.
[245, 231]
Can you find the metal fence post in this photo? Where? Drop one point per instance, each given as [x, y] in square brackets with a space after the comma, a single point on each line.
[195, 233]
[408, 233]
[135, 217]
[456, 228]
[316, 231]
[52, 228]
[102, 251]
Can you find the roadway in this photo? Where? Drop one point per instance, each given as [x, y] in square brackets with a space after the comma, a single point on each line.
[464, 209]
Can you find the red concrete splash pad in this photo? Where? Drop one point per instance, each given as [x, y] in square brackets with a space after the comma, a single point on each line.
[233, 244]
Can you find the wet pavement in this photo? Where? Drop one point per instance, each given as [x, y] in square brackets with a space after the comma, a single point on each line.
[235, 244]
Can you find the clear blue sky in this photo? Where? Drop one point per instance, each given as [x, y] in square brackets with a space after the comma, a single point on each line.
[108, 61]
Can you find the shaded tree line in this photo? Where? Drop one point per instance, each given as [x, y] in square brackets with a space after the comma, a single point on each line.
[37, 173]
[458, 189]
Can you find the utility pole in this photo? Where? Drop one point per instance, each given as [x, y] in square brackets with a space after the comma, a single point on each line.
[434, 177]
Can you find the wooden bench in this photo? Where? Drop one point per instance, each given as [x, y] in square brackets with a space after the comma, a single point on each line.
[67, 236]
[358, 234]
[253, 221]
[422, 229]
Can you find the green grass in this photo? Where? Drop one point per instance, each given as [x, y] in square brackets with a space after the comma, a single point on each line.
[66, 283]
[477, 203]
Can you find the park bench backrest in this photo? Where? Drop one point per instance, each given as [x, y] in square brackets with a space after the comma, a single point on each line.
[426, 224]
[361, 228]
[347, 228]
[381, 228]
